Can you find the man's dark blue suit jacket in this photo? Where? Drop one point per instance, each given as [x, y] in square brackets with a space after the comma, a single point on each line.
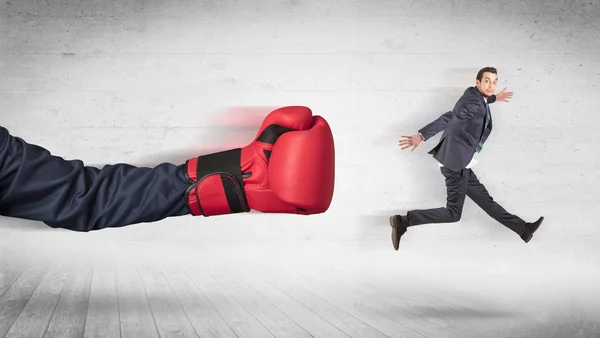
[463, 128]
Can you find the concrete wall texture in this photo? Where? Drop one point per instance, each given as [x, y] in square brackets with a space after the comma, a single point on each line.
[144, 82]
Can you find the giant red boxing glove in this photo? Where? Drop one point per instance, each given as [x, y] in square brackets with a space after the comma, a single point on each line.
[288, 168]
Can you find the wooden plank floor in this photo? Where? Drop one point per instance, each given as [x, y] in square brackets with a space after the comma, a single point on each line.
[282, 297]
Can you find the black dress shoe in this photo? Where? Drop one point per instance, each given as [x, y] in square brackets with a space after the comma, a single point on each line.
[398, 229]
[530, 228]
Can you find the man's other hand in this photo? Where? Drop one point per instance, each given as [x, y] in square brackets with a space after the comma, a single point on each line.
[410, 141]
[504, 95]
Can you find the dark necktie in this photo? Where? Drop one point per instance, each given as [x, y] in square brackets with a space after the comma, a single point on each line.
[487, 121]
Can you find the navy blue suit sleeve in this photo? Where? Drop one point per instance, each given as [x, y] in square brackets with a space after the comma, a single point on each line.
[36, 185]
[464, 110]
[436, 126]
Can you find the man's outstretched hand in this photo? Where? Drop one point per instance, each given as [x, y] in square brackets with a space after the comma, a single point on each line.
[504, 95]
[410, 141]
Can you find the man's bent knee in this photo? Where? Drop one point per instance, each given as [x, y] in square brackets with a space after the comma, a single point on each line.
[454, 215]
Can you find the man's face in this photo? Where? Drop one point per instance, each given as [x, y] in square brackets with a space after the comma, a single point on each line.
[487, 85]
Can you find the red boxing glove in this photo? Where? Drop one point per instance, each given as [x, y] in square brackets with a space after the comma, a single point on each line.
[288, 168]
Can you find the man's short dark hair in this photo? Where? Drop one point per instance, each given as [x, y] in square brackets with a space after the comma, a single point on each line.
[486, 70]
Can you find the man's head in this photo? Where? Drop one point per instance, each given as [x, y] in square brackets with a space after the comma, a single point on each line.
[486, 81]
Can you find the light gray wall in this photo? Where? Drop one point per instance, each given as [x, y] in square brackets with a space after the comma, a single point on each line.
[146, 82]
